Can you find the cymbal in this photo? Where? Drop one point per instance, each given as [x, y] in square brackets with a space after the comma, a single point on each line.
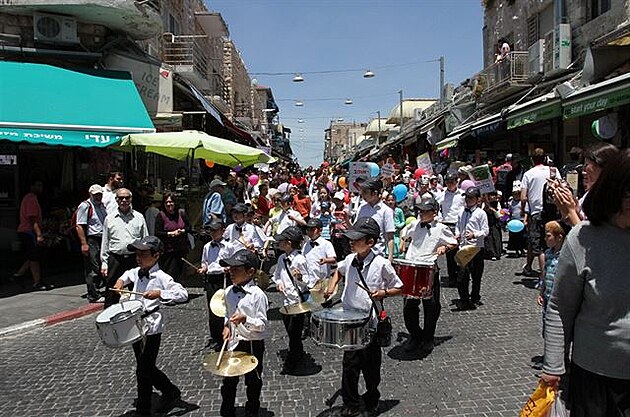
[296, 308]
[217, 303]
[465, 255]
[317, 292]
[232, 363]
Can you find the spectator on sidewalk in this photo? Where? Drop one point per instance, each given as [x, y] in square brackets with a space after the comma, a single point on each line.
[91, 215]
[152, 212]
[172, 227]
[114, 181]
[213, 207]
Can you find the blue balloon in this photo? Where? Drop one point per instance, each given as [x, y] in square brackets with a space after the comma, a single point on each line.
[374, 169]
[400, 192]
[515, 226]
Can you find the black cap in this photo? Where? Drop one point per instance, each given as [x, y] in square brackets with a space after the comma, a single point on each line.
[286, 198]
[472, 192]
[147, 243]
[451, 177]
[240, 208]
[215, 225]
[372, 184]
[243, 257]
[365, 226]
[427, 202]
[314, 223]
[291, 233]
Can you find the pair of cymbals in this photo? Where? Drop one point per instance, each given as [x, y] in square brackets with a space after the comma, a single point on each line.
[466, 254]
[217, 303]
[317, 292]
[297, 308]
[232, 363]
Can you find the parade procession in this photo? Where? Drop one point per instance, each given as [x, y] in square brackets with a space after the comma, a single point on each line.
[317, 208]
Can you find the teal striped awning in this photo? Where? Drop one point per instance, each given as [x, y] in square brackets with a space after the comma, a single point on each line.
[56, 106]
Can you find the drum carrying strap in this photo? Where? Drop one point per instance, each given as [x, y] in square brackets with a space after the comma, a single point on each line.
[359, 266]
[148, 313]
[300, 293]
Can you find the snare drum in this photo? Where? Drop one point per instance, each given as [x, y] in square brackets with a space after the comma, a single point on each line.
[121, 324]
[345, 329]
[417, 278]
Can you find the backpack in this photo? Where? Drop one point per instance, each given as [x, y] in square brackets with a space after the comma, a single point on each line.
[71, 232]
[549, 211]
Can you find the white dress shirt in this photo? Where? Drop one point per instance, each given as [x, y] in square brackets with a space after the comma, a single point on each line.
[378, 274]
[425, 241]
[384, 216]
[283, 221]
[246, 232]
[253, 304]
[452, 203]
[295, 261]
[314, 251]
[157, 280]
[213, 252]
[476, 221]
[119, 230]
[109, 199]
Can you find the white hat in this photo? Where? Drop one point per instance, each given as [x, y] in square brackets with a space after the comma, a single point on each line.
[339, 195]
[516, 186]
[95, 189]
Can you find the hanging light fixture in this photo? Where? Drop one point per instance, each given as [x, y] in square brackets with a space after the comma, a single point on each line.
[368, 74]
[299, 103]
[348, 101]
[300, 120]
[298, 78]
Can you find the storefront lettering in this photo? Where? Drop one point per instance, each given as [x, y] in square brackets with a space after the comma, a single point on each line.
[9, 133]
[42, 136]
[101, 138]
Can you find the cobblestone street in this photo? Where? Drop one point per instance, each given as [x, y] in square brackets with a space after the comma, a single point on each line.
[480, 367]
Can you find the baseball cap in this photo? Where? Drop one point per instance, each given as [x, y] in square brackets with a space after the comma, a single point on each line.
[291, 233]
[240, 208]
[217, 183]
[372, 184]
[427, 202]
[147, 243]
[364, 226]
[215, 225]
[509, 157]
[155, 197]
[339, 195]
[314, 223]
[451, 177]
[516, 186]
[472, 192]
[95, 189]
[243, 257]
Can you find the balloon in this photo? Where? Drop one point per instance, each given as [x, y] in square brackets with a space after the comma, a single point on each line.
[400, 192]
[209, 164]
[238, 168]
[283, 187]
[374, 169]
[410, 219]
[342, 182]
[466, 184]
[515, 226]
[253, 179]
[418, 173]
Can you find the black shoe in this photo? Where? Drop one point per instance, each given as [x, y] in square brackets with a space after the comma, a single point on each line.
[427, 346]
[477, 303]
[463, 305]
[169, 399]
[348, 411]
[411, 345]
[41, 286]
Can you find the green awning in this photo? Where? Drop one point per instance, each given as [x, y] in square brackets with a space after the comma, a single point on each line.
[55, 106]
[601, 96]
[534, 114]
[449, 142]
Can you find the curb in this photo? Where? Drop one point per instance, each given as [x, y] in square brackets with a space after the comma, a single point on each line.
[52, 319]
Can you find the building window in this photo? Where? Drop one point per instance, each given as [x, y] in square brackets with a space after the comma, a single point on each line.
[173, 25]
[599, 7]
[533, 30]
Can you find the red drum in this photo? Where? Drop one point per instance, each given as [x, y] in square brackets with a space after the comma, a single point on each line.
[417, 279]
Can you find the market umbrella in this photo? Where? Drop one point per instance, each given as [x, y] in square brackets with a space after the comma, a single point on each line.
[181, 145]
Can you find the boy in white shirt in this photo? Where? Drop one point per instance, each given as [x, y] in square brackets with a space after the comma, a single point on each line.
[471, 229]
[429, 239]
[242, 234]
[382, 281]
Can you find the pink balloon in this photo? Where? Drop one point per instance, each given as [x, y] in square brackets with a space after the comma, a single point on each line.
[253, 179]
[466, 184]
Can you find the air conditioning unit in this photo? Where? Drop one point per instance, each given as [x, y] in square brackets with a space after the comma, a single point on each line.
[557, 54]
[535, 55]
[54, 28]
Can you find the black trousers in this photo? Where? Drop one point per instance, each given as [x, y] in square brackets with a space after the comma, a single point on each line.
[593, 395]
[474, 271]
[294, 325]
[451, 265]
[116, 266]
[147, 373]
[432, 309]
[92, 267]
[172, 264]
[253, 381]
[368, 361]
[212, 283]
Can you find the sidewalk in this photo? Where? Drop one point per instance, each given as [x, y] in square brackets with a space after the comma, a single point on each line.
[22, 309]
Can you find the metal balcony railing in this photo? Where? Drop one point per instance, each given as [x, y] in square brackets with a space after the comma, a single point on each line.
[512, 69]
[154, 4]
[186, 53]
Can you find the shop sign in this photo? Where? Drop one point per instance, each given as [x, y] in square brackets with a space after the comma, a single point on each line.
[535, 116]
[600, 102]
[154, 83]
[482, 178]
[61, 137]
[359, 172]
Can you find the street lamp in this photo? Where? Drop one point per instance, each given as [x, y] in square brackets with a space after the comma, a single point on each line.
[368, 74]
[348, 101]
[298, 78]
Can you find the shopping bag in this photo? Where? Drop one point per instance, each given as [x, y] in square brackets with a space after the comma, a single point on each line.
[540, 402]
[559, 407]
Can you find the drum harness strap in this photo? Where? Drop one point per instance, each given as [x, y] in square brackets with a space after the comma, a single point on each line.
[359, 266]
[144, 316]
[300, 293]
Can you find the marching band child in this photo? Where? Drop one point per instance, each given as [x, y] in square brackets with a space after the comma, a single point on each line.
[242, 234]
[382, 281]
[155, 286]
[245, 329]
[293, 279]
[214, 276]
[429, 239]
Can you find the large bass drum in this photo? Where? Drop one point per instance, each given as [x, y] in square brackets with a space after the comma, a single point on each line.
[121, 324]
[345, 329]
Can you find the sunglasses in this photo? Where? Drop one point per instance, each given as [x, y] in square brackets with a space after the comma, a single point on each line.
[123, 197]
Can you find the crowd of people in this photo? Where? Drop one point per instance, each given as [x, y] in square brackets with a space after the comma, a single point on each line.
[309, 232]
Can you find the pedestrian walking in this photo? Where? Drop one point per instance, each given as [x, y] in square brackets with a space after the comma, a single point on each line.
[172, 227]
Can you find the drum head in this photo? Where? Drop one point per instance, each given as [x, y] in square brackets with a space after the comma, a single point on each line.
[341, 314]
[109, 312]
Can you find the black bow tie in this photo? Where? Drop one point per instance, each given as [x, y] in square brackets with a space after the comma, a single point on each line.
[214, 244]
[313, 243]
[468, 210]
[238, 288]
[238, 228]
[425, 224]
[143, 273]
[357, 264]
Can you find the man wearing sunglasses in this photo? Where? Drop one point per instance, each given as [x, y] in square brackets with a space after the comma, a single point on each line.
[120, 229]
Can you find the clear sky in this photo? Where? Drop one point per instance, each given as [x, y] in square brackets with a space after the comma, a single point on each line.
[392, 38]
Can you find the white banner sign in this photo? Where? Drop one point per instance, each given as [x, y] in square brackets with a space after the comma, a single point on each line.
[482, 178]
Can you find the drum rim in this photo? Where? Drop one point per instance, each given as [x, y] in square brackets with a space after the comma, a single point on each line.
[320, 314]
[137, 303]
[407, 262]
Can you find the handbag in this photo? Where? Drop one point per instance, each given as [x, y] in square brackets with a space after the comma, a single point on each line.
[382, 336]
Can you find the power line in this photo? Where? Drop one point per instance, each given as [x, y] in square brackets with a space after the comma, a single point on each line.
[338, 71]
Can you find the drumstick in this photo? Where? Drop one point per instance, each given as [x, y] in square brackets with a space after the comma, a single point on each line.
[222, 352]
[127, 291]
[189, 263]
